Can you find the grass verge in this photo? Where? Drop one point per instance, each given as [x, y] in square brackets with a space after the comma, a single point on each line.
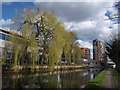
[98, 81]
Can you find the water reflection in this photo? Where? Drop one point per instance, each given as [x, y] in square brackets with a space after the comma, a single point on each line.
[65, 79]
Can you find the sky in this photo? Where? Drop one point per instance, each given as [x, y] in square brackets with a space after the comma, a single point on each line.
[88, 20]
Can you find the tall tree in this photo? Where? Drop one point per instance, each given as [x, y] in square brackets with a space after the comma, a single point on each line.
[113, 50]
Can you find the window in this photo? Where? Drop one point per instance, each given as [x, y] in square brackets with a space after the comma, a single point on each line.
[3, 36]
[0, 36]
[9, 55]
[7, 37]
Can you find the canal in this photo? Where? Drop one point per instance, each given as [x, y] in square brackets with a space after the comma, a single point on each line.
[61, 79]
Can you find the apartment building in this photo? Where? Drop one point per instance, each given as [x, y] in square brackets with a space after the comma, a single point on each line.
[98, 50]
[85, 53]
[4, 40]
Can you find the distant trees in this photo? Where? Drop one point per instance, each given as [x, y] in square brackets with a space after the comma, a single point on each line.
[42, 39]
[113, 50]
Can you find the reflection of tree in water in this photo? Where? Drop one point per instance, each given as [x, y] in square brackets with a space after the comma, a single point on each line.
[52, 81]
[71, 80]
[65, 80]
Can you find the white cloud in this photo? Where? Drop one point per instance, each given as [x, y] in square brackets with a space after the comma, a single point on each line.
[86, 19]
[85, 44]
[5, 23]
[98, 28]
[75, 11]
[87, 24]
[81, 25]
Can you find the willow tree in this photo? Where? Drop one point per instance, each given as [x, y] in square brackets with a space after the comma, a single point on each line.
[42, 24]
[4, 60]
[77, 53]
[15, 48]
[25, 48]
[69, 47]
[48, 30]
[33, 49]
[57, 44]
[43, 37]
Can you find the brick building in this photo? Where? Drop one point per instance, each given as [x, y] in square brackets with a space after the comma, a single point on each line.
[98, 50]
[85, 53]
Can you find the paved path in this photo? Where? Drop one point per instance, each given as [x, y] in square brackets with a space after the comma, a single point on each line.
[110, 81]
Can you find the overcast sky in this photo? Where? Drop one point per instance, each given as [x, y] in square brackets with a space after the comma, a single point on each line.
[89, 20]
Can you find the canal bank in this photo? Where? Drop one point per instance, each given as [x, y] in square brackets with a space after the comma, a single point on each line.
[45, 69]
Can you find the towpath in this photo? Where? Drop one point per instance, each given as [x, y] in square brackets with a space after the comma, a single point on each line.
[110, 81]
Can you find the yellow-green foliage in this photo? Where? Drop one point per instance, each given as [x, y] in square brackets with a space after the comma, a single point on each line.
[23, 43]
[4, 57]
[51, 34]
[57, 44]
[77, 53]
[33, 50]
[16, 48]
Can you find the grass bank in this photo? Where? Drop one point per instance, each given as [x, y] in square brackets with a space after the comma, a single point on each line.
[97, 81]
[117, 75]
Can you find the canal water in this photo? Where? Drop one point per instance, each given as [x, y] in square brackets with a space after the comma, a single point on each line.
[61, 79]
